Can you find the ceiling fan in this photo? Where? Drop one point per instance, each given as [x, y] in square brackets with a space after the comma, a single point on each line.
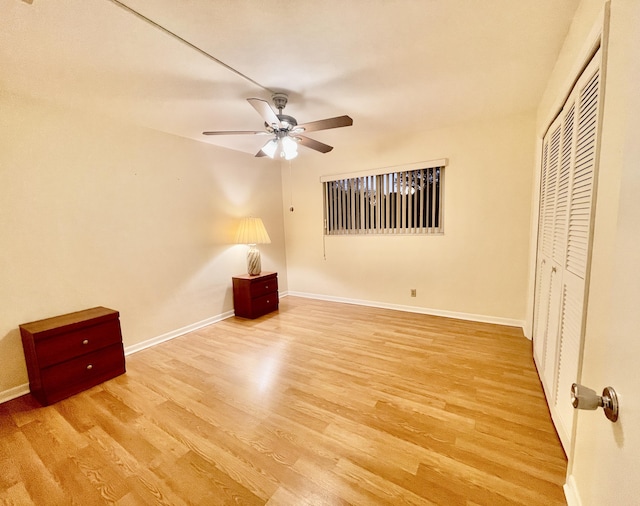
[286, 132]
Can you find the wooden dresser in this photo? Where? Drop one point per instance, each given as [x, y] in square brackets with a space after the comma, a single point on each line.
[254, 296]
[70, 353]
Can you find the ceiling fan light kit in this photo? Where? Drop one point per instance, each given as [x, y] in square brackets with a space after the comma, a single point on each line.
[285, 129]
[282, 146]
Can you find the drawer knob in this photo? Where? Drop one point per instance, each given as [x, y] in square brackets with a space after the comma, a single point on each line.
[86, 341]
[266, 286]
[89, 367]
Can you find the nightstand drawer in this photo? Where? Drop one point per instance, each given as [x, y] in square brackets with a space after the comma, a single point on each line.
[66, 346]
[75, 375]
[264, 286]
[265, 304]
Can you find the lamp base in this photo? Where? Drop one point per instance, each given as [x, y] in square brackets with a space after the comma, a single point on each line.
[254, 266]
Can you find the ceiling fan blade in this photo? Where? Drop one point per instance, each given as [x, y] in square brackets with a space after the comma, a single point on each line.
[265, 110]
[314, 144]
[237, 132]
[325, 124]
[260, 153]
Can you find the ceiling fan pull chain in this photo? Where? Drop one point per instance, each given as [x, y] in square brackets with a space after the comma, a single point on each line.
[290, 188]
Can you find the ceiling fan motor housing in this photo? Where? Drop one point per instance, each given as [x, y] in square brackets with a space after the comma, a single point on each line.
[280, 100]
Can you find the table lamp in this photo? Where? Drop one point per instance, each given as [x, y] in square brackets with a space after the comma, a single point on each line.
[252, 232]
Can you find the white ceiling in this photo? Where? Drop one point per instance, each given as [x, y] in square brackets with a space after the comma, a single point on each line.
[392, 65]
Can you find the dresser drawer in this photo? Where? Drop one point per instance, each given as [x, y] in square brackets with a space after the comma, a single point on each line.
[264, 286]
[73, 376]
[265, 304]
[73, 344]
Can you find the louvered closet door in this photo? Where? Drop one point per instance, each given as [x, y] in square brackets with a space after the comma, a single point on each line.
[545, 323]
[580, 217]
[566, 214]
[541, 301]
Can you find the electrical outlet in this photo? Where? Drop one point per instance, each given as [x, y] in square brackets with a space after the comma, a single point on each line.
[413, 292]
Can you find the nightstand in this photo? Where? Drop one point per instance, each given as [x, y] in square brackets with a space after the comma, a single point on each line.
[254, 296]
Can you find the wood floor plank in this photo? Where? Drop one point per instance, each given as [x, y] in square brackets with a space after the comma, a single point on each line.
[16, 495]
[319, 403]
[36, 476]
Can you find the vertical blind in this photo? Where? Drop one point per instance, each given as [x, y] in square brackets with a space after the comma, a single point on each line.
[405, 201]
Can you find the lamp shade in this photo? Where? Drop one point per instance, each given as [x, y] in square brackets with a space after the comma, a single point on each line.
[270, 147]
[252, 231]
[289, 148]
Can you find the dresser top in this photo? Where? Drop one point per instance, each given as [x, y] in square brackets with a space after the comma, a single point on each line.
[262, 275]
[70, 321]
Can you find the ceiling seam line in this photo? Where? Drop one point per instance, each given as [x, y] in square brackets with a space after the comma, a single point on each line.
[193, 46]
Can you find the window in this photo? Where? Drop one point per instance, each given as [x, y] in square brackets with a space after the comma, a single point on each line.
[393, 200]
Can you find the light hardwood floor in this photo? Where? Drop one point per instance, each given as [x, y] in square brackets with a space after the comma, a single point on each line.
[318, 404]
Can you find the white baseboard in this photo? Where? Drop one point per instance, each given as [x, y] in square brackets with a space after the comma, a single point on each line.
[416, 309]
[14, 393]
[134, 348]
[571, 492]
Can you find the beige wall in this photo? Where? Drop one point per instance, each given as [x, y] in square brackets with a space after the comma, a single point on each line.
[98, 213]
[478, 267]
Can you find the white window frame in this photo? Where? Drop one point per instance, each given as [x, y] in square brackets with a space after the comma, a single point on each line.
[350, 200]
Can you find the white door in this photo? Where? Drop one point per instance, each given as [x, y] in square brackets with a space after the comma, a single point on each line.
[604, 468]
